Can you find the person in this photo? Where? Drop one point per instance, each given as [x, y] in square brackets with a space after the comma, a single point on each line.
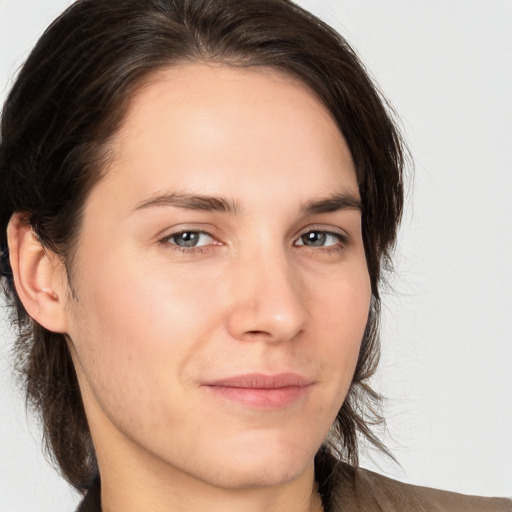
[198, 200]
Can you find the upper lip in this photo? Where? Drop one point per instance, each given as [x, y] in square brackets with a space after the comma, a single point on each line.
[262, 381]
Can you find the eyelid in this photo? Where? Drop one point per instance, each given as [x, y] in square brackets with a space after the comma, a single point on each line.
[183, 228]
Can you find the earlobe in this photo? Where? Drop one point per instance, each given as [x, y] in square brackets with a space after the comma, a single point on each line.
[38, 275]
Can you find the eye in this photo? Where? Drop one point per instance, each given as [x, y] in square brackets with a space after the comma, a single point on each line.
[188, 239]
[318, 238]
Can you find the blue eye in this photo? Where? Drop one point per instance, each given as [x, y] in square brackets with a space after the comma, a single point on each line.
[189, 239]
[317, 238]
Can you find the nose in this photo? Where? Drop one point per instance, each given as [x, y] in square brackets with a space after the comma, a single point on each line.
[268, 300]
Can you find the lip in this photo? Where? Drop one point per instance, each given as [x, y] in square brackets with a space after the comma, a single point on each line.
[261, 391]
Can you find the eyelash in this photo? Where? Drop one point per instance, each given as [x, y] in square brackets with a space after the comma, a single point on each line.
[339, 247]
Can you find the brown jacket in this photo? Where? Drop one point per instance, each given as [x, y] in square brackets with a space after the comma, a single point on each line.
[346, 489]
[359, 490]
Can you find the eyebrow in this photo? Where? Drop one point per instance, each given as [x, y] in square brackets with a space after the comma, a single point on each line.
[190, 202]
[342, 201]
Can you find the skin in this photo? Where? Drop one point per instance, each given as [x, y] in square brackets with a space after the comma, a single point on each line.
[272, 287]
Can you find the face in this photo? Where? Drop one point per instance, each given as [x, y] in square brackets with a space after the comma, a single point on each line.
[221, 283]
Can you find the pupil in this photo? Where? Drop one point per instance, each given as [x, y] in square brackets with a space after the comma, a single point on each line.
[314, 238]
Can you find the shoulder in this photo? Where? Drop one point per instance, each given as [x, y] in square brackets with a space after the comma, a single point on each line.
[358, 490]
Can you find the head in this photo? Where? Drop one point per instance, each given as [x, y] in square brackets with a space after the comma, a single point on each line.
[86, 106]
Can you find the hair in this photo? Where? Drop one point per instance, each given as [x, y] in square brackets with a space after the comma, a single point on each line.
[68, 102]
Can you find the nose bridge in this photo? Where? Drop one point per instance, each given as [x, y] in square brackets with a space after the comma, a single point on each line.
[268, 299]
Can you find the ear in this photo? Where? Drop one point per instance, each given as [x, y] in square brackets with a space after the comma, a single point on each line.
[39, 275]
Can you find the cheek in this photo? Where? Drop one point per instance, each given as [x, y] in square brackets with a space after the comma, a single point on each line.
[343, 301]
[130, 302]
[342, 318]
[139, 328]
[133, 337]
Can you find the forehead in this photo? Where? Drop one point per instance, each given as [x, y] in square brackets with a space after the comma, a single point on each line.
[201, 127]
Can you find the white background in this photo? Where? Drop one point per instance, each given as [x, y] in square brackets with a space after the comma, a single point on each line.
[447, 68]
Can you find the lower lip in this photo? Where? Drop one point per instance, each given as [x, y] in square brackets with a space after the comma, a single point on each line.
[261, 398]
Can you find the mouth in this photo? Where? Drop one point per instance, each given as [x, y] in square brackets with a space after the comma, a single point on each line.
[261, 391]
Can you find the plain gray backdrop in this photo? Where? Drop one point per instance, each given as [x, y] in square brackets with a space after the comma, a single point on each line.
[446, 66]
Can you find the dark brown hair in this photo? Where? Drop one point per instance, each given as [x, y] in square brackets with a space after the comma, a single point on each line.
[69, 100]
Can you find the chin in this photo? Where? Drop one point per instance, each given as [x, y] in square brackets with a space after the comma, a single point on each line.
[263, 466]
